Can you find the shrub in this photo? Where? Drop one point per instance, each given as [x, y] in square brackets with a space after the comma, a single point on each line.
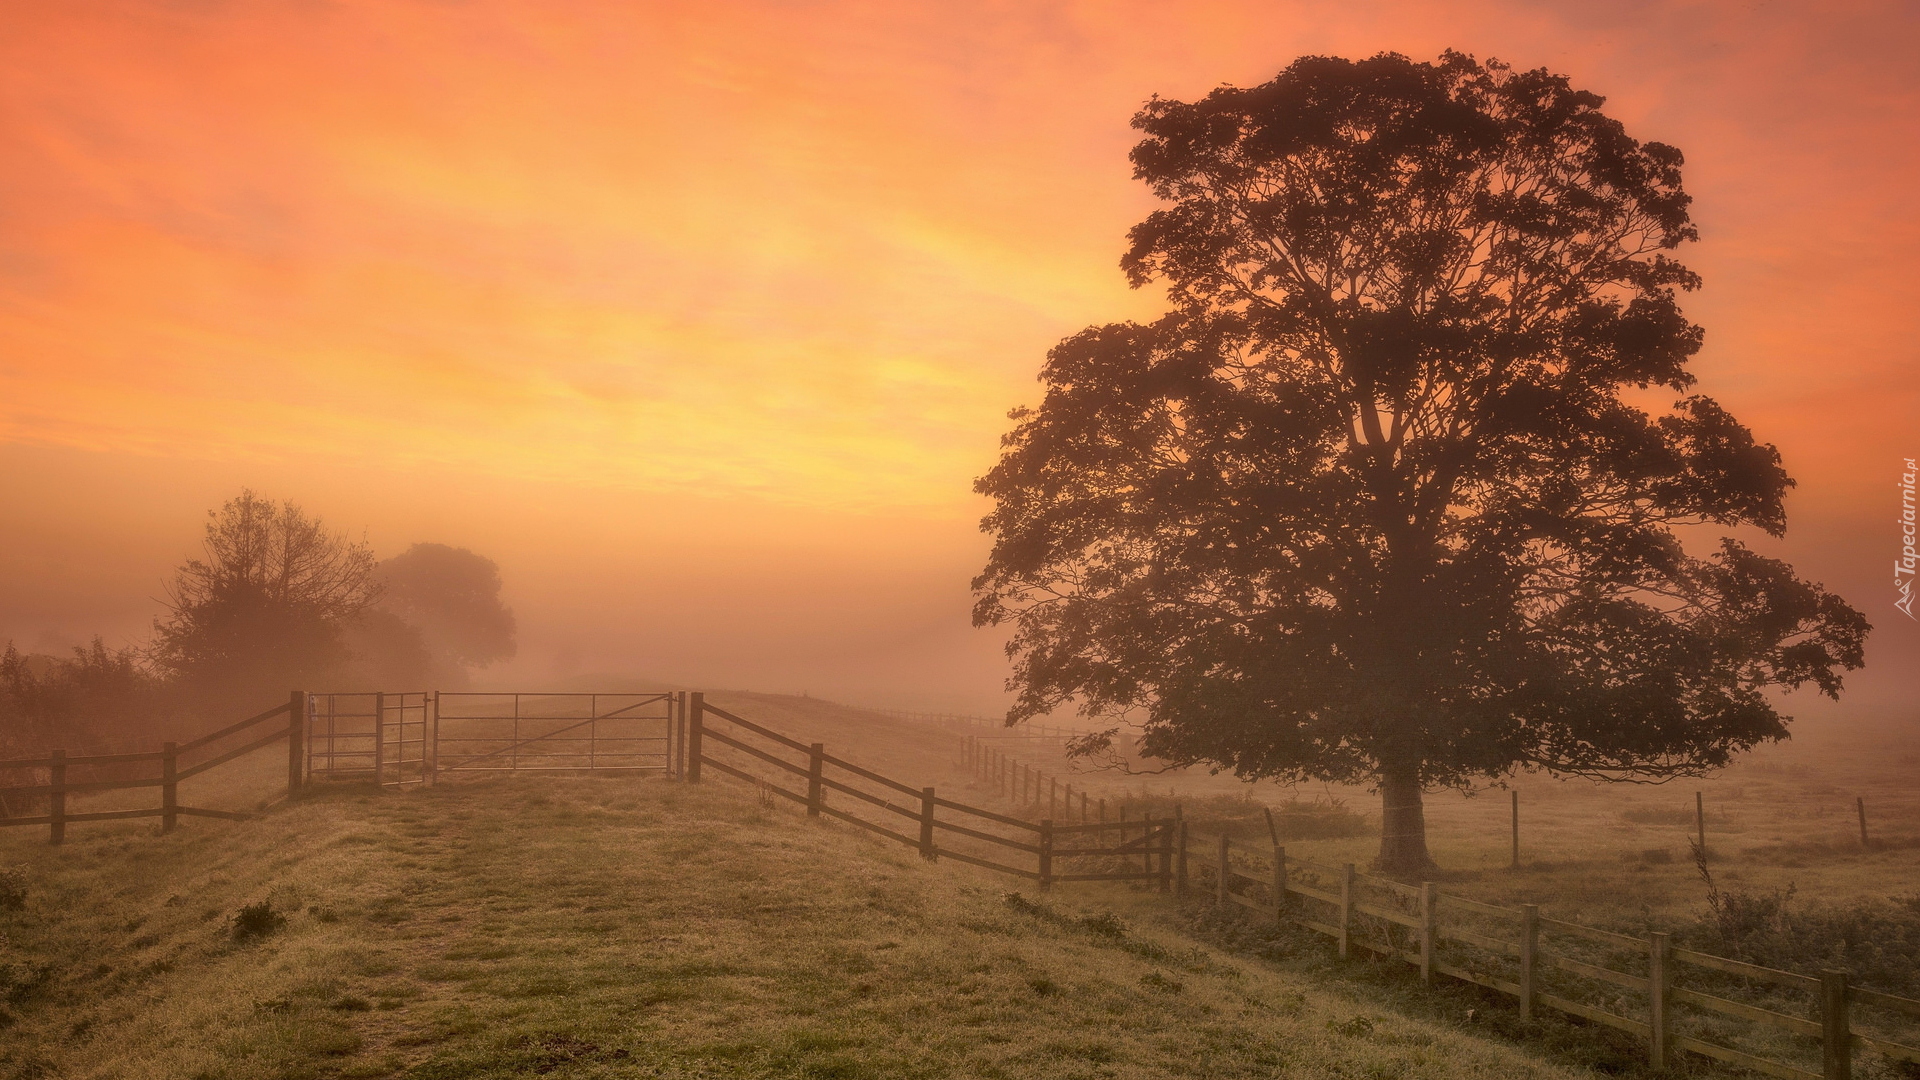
[255, 921]
[1877, 942]
[13, 888]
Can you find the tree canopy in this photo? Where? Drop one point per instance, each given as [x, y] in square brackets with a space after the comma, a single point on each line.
[450, 596]
[267, 606]
[1388, 494]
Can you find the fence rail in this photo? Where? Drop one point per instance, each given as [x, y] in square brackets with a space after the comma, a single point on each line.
[60, 784]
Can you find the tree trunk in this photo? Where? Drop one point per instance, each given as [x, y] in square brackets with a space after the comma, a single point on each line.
[1403, 826]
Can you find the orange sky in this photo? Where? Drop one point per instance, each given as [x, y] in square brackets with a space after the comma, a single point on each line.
[701, 318]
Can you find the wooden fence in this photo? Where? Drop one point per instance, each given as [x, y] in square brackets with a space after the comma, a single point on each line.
[938, 827]
[173, 763]
[1684, 1000]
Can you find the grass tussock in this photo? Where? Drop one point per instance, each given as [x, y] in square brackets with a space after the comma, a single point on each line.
[627, 929]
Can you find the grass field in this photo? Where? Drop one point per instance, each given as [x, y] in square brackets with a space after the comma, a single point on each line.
[589, 928]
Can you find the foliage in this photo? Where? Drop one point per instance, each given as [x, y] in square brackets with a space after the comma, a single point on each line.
[451, 598]
[13, 888]
[266, 608]
[255, 921]
[97, 692]
[1372, 500]
[1877, 942]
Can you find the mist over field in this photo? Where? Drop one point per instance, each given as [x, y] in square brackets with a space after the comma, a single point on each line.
[1138, 540]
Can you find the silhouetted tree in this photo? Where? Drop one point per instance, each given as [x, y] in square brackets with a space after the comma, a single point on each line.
[1374, 502]
[451, 596]
[266, 609]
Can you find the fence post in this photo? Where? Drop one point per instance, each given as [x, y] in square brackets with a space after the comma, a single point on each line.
[1146, 844]
[296, 741]
[816, 768]
[1529, 945]
[1046, 855]
[927, 851]
[1083, 806]
[1516, 830]
[379, 739]
[1426, 932]
[696, 707]
[169, 787]
[1657, 1012]
[1180, 855]
[1346, 908]
[1053, 796]
[1220, 880]
[1166, 857]
[1279, 883]
[57, 799]
[1836, 1038]
[1700, 820]
[430, 736]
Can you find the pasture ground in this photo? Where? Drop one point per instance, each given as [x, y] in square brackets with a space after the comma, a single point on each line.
[628, 928]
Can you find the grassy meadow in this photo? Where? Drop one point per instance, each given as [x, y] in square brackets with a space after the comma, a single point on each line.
[629, 927]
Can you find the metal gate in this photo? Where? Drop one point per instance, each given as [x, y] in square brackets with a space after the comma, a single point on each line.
[382, 737]
[554, 732]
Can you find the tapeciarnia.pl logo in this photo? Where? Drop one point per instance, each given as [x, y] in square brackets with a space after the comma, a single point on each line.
[1903, 566]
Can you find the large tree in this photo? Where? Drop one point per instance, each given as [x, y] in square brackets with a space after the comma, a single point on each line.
[1393, 494]
[267, 606]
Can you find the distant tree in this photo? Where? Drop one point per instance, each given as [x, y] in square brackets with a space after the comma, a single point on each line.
[451, 596]
[267, 607]
[1374, 501]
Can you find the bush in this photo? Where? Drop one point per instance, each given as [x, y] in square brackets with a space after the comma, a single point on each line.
[13, 888]
[255, 921]
[1877, 942]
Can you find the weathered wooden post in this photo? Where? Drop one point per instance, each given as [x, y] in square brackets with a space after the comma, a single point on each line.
[1222, 869]
[57, 798]
[297, 741]
[1516, 830]
[379, 739]
[169, 787]
[1529, 946]
[1146, 844]
[927, 851]
[1700, 820]
[1836, 1037]
[1659, 1016]
[1166, 856]
[1346, 909]
[816, 770]
[1426, 932]
[696, 716]
[1279, 883]
[1046, 855]
[1180, 855]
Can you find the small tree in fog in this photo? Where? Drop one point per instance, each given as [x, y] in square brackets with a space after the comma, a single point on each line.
[1373, 502]
[266, 608]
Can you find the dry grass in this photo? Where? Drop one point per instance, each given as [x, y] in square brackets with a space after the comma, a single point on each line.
[588, 928]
